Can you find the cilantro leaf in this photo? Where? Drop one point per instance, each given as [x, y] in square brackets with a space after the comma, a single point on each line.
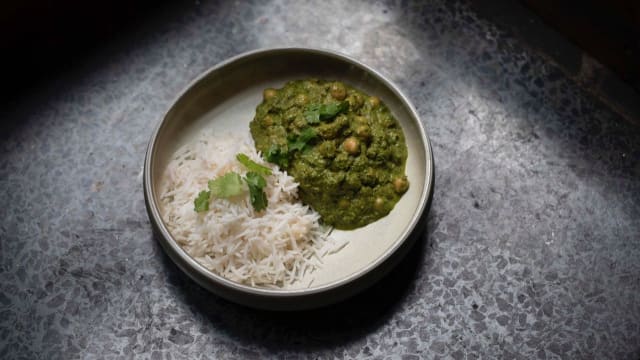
[256, 193]
[300, 141]
[201, 203]
[312, 114]
[252, 165]
[255, 179]
[278, 156]
[316, 112]
[230, 184]
[258, 198]
[329, 111]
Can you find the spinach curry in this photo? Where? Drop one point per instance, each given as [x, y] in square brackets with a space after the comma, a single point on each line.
[342, 146]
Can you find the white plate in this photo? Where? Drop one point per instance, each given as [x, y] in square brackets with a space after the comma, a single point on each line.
[224, 99]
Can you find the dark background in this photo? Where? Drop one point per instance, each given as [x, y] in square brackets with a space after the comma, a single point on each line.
[532, 240]
[42, 38]
[608, 30]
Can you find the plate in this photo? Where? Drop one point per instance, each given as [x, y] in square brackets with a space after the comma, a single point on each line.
[224, 99]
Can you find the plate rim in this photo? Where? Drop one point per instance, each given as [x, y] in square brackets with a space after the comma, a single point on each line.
[183, 259]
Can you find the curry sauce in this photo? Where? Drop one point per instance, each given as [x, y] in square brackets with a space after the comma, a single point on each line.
[344, 148]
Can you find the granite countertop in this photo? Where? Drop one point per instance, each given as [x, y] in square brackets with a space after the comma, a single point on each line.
[532, 241]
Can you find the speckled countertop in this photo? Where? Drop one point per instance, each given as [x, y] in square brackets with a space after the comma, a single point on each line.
[532, 245]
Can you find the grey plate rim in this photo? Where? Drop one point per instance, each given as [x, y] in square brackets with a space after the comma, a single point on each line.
[202, 275]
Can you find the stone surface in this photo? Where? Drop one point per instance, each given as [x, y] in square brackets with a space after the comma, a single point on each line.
[532, 243]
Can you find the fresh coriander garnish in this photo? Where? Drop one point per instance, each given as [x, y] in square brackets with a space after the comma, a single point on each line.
[316, 112]
[278, 156]
[227, 185]
[231, 184]
[201, 203]
[252, 165]
[300, 141]
[257, 195]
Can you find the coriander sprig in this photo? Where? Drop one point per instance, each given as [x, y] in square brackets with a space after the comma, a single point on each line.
[231, 184]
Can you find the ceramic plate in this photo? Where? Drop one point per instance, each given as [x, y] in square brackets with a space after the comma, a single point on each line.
[224, 99]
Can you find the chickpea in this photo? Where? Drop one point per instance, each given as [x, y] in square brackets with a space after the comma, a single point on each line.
[355, 101]
[269, 93]
[400, 184]
[378, 203]
[301, 99]
[338, 91]
[374, 101]
[363, 131]
[351, 145]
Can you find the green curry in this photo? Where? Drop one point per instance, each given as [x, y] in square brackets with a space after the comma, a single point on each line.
[342, 146]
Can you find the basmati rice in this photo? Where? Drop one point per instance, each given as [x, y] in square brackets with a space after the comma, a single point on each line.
[273, 248]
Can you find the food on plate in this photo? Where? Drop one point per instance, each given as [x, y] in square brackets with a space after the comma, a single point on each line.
[344, 148]
[238, 216]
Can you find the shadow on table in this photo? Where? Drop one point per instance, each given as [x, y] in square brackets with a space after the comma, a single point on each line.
[328, 326]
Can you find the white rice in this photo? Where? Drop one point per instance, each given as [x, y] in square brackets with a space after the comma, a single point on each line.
[273, 248]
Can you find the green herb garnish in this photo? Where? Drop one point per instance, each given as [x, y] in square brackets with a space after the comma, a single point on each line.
[316, 112]
[300, 141]
[278, 156]
[227, 185]
[252, 165]
[256, 193]
[201, 203]
[231, 184]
